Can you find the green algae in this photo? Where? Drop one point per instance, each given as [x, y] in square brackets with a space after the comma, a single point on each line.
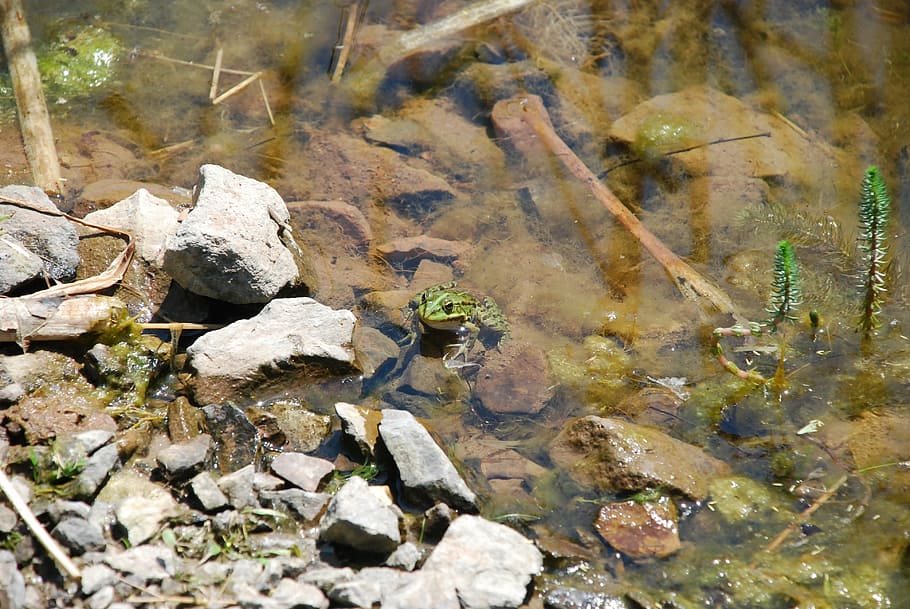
[79, 62]
[662, 133]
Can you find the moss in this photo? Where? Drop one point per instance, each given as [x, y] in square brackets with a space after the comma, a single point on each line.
[79, 61]
[661, 133]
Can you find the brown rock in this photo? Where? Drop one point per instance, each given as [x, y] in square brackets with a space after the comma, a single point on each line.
[640, 529]
[412, 250]
[515, 380]
[611, 454]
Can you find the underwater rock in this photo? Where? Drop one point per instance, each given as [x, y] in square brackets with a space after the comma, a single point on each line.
[288, 336]
[412, 250]
[515, 379]
[358, 519]
[334, 215]
[79, 61]
[151, 220]
[612, 454]
[490, 564]
[640, 529]
[426, 473]
[231, 246]
[236, 439]
[53, 239]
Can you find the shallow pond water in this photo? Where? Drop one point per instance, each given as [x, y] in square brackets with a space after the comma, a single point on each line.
[418, 154]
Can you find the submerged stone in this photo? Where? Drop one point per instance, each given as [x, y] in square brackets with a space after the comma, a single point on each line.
[640, 529]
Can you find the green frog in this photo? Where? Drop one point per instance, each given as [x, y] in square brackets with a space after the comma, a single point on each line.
[445, 308]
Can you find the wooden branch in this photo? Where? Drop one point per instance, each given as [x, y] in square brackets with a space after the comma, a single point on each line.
[347, 40]
[526, 124]
[34, 121]
[804, 515]
[40, 533]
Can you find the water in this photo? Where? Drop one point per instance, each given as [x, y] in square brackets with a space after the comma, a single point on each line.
[570, 280]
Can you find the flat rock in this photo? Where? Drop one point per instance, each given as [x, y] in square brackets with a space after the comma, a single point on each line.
[52, 238]
[18, 266]
[151, 220]
[427, 475]
[206, 491]
[183, 458]
[415, 249]
[640, 529]
[238, 487]
[141, 506]
[490, 564]
[358, 519]
[612, 454]
[229, 247]
[302, 470]
[360, 425]
[79, 535]
[515, 380]
[337, 214]
[148, 562]
[305, 504]
[288, 335]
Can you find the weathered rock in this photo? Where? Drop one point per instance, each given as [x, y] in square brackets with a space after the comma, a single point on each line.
[184, 421]
[360, 425]
[640, 529]
[97, 468]
[288, 335]
[611, 454]
[344, 217]
[238, 486]
[298, 428]
[207, 492]
[147, 562]
[236, 439]
[301, 470]
[12, 584]
[151, 220]
[182, 458]
[490, 564]
[230, 246]
[299, 595]
[79, 535]
[405, 557]
[414, 249]
[356, 518]
[53, 239]
[18, 266]
[97, 576]
[368, 587]
[376, 352]
[141, 506]
[426, 473]
[515, 379]
[306, 505]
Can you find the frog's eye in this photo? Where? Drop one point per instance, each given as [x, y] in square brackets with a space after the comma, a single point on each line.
[448, 306]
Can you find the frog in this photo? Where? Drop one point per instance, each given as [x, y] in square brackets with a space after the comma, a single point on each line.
[446, 308]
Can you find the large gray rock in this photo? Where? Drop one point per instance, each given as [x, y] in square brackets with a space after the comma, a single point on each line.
[612, 454]
[357, 518]
[12, 584]
[51, 238]
[490, 564]
[287, 335]
[302, 470]
[141, 506]
[231, 245]
[151, 220]
[427, 475]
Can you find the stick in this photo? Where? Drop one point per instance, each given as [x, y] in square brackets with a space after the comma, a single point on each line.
[240, 86]
[525, 121]
[40, 533]
[347, 40]
[804, 515]
[34, 121]
[216, 73]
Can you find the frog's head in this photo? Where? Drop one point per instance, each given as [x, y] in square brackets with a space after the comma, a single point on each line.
[446, 309]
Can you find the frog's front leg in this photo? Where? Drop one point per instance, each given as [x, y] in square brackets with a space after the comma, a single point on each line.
[467, 336]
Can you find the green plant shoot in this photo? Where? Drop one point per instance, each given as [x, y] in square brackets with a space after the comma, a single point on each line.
[786, 293]
[874, 210]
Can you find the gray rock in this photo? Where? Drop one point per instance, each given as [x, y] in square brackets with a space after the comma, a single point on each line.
[238, 486]
[236, 439]
[18, 266]
[101, 599]
[140, 505]
[368, 587]
[51, 238]
[302, 470]
[426, 473]
[150, 219]
[357, 518]
[405, 557]
[147, 562]
[8, 519]
[229, 247]
[95, 577]
[292, 594]
[79, 535]
[360, 425]
[60, 509]
[93, 440]
[423, 589]
[306, 505]
[183, 458]
[207, 492]
[490, 564]
[325, 577]
[612, 454]
[97, 469]
[287, 335]
[12, 584]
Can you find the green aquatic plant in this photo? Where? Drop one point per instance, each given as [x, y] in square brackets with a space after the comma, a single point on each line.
[786, 296]
[874, 211]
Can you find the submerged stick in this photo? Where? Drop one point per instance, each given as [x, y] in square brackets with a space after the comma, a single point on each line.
[524, 120]
[34, 121]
